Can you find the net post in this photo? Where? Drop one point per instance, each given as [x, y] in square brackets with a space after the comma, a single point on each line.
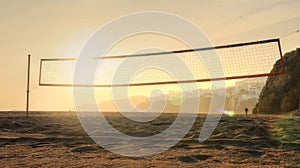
[27, 91]
[40, 72]
[282, 59]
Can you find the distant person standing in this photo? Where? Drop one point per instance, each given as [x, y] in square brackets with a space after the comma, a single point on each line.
[246, 110]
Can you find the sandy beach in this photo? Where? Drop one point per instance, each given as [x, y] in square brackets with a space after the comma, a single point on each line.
[56, 139]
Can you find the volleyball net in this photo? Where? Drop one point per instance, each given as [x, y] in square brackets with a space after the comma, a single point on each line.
[235, 61]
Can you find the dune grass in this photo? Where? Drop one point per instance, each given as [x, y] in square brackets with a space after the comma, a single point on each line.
[286, 130]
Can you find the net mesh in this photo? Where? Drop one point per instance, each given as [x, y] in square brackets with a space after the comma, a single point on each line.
[235, 61]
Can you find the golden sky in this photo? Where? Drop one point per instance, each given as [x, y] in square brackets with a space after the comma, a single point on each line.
[59, 28]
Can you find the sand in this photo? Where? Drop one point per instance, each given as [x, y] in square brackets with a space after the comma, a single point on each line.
[56, 139]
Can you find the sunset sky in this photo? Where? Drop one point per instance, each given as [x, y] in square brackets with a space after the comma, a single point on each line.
[60, 28]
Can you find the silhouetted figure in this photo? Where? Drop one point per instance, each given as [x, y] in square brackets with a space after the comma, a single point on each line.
[246, 110]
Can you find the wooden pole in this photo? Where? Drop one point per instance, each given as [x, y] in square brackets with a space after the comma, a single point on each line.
[27, 92]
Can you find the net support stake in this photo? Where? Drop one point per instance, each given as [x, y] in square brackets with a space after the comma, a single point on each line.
[27, 91]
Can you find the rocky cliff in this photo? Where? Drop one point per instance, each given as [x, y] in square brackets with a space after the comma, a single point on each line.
[281, 93]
